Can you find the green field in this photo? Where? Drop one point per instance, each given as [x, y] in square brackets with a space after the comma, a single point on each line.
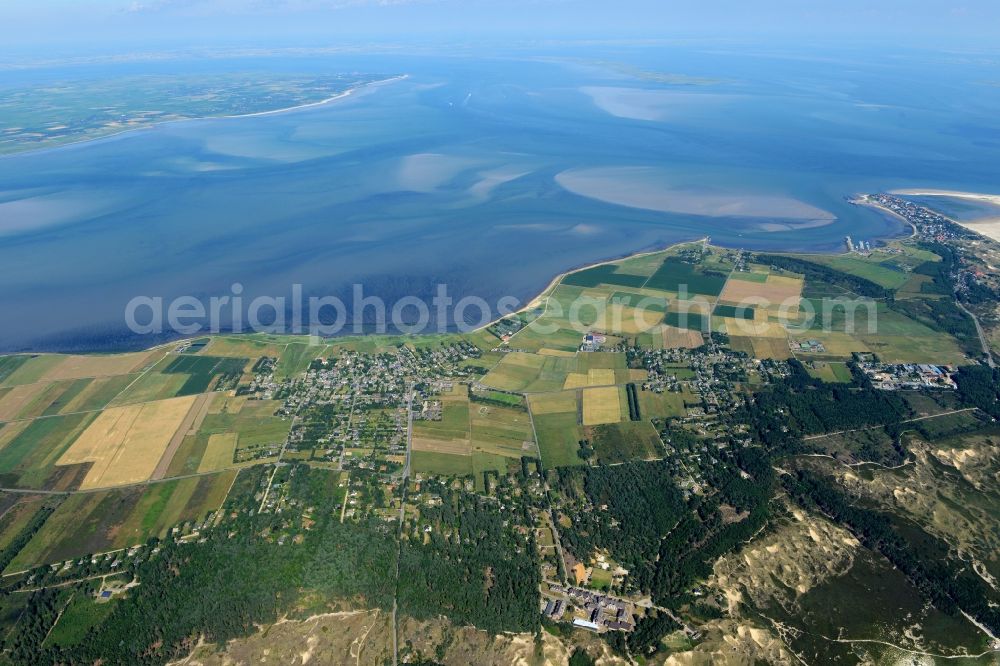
[830, 372]
[90, 523]
[99, 393]
[531, 373]
[872, 268]
[28, 460]
[83, 613]
[688, 320]
[445, 464]
[295, 359]
[734, 312]
[633, 299]
[16, 370]
[664, 405]
[70, 390]
[454, 423]
[9, 365]
[673, 274]
[501, 430]
[604, 274]
[559, 438]
[254, 424]
[201, 370]
[759, 278]
[622, 442]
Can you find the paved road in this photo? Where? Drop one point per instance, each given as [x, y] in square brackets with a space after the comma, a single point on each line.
[402, 513]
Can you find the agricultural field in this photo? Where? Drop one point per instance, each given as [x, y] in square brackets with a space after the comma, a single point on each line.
[830, 372]
[501, 431]
[449, 436]
[622, 442]
[29, 451]
[665, 405]
[879, 267]
[531, 373]
[604, 298]
[242, 346]
[559, 436]
[673, 337]
[202, 371]
[444, 464]
[17, 516]
[774, 295]
[87, 523]
[125, 444]
[233, 430]
[182, 375]
[17, 370]
[486, 435]
[602, 405]
[677, 276]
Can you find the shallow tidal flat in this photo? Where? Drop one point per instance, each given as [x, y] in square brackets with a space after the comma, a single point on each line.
[488, 175]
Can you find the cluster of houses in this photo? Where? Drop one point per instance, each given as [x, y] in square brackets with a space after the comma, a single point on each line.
[929, 225]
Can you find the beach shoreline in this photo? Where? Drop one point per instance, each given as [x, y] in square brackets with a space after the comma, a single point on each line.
[954, 194]
[537, 300]
[985, 226]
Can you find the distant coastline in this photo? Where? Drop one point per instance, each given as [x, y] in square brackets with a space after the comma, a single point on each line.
[111, 135]
[308, 105]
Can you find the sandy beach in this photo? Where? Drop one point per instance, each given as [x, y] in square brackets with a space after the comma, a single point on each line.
[987, 226]
[322, 102]
[972, 196]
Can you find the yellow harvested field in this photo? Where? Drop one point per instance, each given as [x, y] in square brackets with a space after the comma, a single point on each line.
[523, 359]
[776, 290]
[552, 403]
[189, 426]
[126, 443]
[601, 405]
[593, 377]
[457, 447]
[17, 399]
[776, 348]
[242, 347]
[600, 376]
[219, 452]
[681, 338]
[556, 352]
[227, 404]
[630, 320]
[753, 328]
[77, 367]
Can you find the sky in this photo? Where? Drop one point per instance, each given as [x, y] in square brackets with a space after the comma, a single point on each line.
[117, 25]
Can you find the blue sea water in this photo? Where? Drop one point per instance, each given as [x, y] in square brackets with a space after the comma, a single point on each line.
[486, 172]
